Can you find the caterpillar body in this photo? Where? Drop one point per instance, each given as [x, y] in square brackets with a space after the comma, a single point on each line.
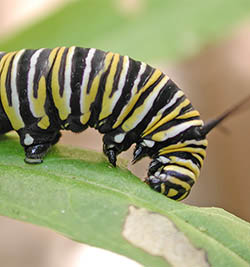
[45, 90]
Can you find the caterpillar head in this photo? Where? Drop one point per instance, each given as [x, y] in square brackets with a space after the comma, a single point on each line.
[175, 169]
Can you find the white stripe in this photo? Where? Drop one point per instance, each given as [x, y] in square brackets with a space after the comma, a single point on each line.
[121, 83]
[177, 95]
[174, 99]
[138, 79]
[14, 93]
[148, 103]
[176, 159]
[177, 129]
[67, 78]
[30, 83]
[135, 86]
[195, 142]
[86, 74]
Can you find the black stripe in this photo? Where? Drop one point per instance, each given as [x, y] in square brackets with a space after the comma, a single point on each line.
[42, 68]
[117, 76]
[173, 123]
[61, 74]
[1, 70]
[186, 109]
[188, 134]
[186, 156]
[182, 166]
[174, 106]
[132, 74]
[8, 82]
[50, 107]
[180, 190]
[197, 146]
[146, 93]
[174, 186]
[23, 69]
[149, 71]
[163, 97]
[97, 64]
[97, 104]
[140, 102]
[180, 176]
[77, 70]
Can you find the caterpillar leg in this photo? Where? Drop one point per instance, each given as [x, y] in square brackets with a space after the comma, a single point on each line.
[36, 145]
[114, 143]
[34, 154]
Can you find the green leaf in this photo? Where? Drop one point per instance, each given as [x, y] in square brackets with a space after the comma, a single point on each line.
[78, 194]
[159, 30]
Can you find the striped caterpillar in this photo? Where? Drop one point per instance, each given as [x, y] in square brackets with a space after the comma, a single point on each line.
[46, 90]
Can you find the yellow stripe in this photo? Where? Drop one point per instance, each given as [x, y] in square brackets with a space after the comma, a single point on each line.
[155, 76]
[202, 142]
[180, 170]
[177, 181]
[152, 123]
[168, 117]
[158, 116]
[192, 150]
[190, 114]
[60, 102]
[39, 102]
[106, 100]
[16, 121]
[175, 146]
[2, 61]
[186, 163]
[44, 123]
[163, 188]
[186, 143]
[172, 192]
[183, 196]
[90, 97]
[52, 56]
[137, 116]
[199, 158]
[172, 132]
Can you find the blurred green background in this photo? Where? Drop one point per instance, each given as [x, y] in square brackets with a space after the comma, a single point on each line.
[147, 30]
[203, 46]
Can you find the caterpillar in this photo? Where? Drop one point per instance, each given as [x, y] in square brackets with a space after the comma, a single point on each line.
[43, 91]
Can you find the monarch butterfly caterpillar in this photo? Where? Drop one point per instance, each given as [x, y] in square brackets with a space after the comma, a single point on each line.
[45, 90]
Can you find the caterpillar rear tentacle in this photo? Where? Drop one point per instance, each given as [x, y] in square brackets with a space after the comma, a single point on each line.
[46, 90]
